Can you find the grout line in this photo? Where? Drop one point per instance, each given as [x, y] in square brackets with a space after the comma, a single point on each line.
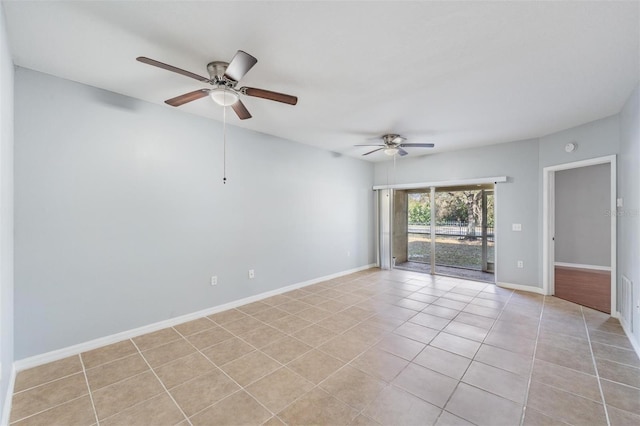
[86, 379]
[533, 362]
[595, 366]
[161, 384]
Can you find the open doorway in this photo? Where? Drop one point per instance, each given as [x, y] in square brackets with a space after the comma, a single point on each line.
[446, 231]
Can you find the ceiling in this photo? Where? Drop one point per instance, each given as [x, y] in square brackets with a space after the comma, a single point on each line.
[458, 74]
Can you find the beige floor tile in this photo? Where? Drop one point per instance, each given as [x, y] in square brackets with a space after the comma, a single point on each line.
[253, 308]
[333, 306]
[184, 369]
[448, 419]
[227, 351]
[315, 366]
[564, 406]
[379, 363]
[115, 371]
[237, 409]
[314, 335]
[313, 314]
[353, 387]
[45, 373]
[108, 353]
[43, 397]
[228, 316]
[290, 324]
[401, 346]
[612, 339]
[242, 325]
[449, 303]
[580, 361]
[416, 332]
[127, 393]
[157, 411]
[155, 339]
[415, 378]
[511, 342]
[250, 367]
[77, 412]
[294, 306]
[412, 304]
[366, 332]
[262, 336]
[338, 323]
[397, 407]
[441, 311]
[344, 347]
[457, 345]
[209, 337]
[466, 330]
[497, 381]
[494, 304]
[276, 300]
[504, 359]
[274, 421]
[170, 352]
[421, 297]
[270, 315]
[621, 396]
[195, 326]
[483, 408]
[566, 379]
[286, 349]
[616, 354]
[482, 311]
[318, 407]
[203, 391]
[475, 320]
[279, 389]
[443, 362]
[622, 418]
[536, 418]
[431, 321]
[618, 372]
[363, 420]
[563, 341]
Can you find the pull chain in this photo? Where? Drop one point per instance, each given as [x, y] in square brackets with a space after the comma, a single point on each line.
[224, 145]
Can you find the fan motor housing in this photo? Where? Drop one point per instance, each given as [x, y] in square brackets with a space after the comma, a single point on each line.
[217, 69]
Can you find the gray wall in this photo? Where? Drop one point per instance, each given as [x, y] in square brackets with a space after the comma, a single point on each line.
[583, 215]
[629, 190]
[122, 217]
[6, 211]
[516, 200]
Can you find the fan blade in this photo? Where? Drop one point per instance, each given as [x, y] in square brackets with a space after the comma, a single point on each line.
[241, 63]
[187, 97]
[241, 111]
[402, 152]
[171, 68]
[371, 152]
[371, 145]
[416, 145]
[272, 96]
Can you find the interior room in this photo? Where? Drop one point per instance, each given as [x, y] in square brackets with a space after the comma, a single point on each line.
[205, 209]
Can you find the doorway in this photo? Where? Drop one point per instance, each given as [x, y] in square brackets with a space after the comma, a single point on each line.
[579, 232]
[446, 231]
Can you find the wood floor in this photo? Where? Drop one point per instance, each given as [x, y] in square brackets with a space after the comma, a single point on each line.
[586, 287]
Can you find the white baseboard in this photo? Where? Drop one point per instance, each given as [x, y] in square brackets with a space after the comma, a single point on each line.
[581, 266]
[630, 336]
[521, 287]
[8, 398]
[58, 354]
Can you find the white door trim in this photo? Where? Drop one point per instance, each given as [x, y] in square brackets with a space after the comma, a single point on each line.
[548, 205]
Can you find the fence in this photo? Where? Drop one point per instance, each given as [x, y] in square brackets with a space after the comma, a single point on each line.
[459, 229]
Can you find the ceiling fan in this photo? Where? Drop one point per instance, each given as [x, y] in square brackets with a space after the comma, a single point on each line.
[393, 144]
[224, 77]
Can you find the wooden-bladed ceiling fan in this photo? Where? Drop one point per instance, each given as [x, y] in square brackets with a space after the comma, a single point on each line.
[393, 144]
[224, 77]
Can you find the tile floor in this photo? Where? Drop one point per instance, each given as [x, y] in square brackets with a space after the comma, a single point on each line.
[376, 347]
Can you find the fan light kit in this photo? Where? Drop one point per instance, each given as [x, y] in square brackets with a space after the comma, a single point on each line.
[393, 144]
[223, 96]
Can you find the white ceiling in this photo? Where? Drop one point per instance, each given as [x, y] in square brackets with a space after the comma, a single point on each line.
[458, 74]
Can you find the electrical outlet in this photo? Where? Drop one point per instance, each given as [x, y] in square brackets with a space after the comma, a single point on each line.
[252, 274]
[516, 227]
[520, 264]
[214, 280]
[348, 253]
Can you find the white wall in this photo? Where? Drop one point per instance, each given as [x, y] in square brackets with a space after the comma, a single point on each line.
[629, 191]
[122, 217]
[583, 215]
[6, 212]
[516, 199]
